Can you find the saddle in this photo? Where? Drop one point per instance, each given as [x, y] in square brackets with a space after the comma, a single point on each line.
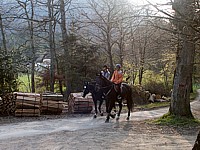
[118, 89]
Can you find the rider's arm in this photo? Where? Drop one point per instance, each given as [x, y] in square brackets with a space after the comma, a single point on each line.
[113, 76]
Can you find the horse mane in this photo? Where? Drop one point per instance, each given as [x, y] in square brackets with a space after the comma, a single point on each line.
[108, 82]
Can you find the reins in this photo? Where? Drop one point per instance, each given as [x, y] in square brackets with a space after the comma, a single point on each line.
[107, 87]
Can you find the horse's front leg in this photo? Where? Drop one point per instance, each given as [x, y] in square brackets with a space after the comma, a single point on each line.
[120, 109]
[95, 107]
[129, 112]
[107, 118]
[100, 104]
[115, 111]
[109, 109]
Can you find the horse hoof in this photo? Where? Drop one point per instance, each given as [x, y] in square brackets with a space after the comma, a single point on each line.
[127, 118]
[101, 114]
[107, 121]
[117, 118]
[113, 116]
[95, 116]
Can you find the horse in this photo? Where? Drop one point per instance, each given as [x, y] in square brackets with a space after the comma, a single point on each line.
[97, 95]
[109, 88]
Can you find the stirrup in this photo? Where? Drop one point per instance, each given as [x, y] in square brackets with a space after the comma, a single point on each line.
[119, 97]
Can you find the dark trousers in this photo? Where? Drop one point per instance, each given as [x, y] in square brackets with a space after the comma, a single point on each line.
[118, 89]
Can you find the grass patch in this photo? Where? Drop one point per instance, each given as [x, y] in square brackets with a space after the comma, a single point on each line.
[154, 105]
[23, 83]
[194, 95]
[171, 120]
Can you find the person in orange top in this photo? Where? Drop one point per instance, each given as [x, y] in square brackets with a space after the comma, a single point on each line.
[117, 78]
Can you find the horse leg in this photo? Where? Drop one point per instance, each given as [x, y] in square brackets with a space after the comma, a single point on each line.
[120, 108]
[95, 106]
[129, 112]
[100, 103]
[109, 109]
[115, 111]
[129, 109]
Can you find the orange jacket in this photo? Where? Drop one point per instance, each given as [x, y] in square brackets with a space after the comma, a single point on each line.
[117, 77]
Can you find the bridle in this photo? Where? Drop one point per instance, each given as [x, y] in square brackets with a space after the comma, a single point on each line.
[104, 87]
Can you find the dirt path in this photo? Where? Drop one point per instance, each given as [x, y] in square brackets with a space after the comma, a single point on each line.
[85, 133]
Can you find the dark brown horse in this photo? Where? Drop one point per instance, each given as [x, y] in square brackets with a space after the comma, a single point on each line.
[111, 95]
[97, 95]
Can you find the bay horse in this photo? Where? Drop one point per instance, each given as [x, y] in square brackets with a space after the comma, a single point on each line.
[97, 95]
[111, 94]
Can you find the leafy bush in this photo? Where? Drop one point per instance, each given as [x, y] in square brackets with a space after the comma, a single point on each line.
[157, 88]
[8, 75]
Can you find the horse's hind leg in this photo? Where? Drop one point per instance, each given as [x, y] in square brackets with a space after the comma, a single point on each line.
[100, 104]
[120, 109]
[107, 118]
[129, 105]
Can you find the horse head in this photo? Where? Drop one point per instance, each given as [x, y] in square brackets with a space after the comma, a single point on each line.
[85, 89]
[89, 87]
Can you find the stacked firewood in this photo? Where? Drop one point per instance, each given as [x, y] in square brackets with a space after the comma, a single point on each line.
[28, 104]
[78, 104]
[7, 104]
[54, 104]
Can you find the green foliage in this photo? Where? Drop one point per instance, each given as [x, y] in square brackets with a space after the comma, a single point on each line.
[154, 83]
[194, 95]
[82, 64]
[157, 88]
[8, 74]
[172, 120]
[23, 83]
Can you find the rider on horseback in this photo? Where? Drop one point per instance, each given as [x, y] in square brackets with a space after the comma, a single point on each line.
[105, 72]
[117, 78]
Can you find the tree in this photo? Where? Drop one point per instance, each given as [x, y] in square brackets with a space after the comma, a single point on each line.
[103, 20]
[65, 44]
[30, 17]
[180, 103]
[51, 44]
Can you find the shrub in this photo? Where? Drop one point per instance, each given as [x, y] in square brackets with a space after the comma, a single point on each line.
[157, 88]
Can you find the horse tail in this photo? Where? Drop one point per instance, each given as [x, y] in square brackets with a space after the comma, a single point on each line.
[130, 99]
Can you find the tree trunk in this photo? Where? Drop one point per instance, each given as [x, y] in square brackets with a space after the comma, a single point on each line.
[31, 32]
[31, 28]
[51, 47]
[65, 42]
[3, 35]
[180, 103]
[111, 61]
[141, 71]
[197, 143]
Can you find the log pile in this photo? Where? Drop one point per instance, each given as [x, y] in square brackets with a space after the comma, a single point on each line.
[7, 104]
[54, 104]
[28, 104]
[78, 104]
